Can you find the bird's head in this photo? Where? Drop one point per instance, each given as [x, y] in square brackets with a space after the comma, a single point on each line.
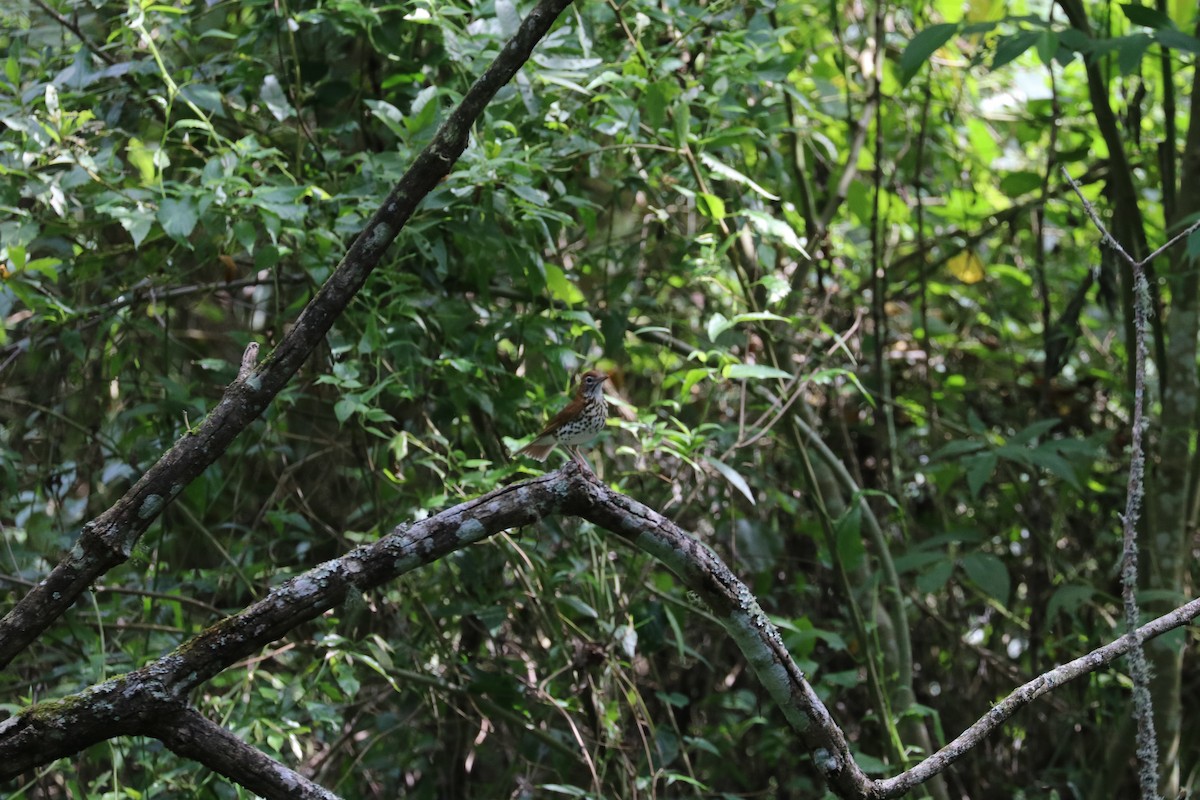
[591, 383]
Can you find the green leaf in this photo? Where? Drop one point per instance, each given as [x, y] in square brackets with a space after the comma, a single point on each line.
[344, 408]
[529, 194]
[956, 448]
[389, 115]
[735, 479]
[137, 221]
[676, 630]
[758, 316]
[204, 96]
[1015, 184]
[178, 217]
[848, 532]
[922, 46]
[579, 606]
[1130, 52]
[1144, 15]
[1177, 40]
[710, 205]
[1068, 599]
[989, 574]
[777, 229]
[718, 324]
[1008, 48]
[1047, 47]
[691, 378]
[46, 267]
[935, 578]
[1077, 40]
[979, 471]
[753, 372]
[571, 791]
[1048, 458]
[682, 124]
[1033, 431]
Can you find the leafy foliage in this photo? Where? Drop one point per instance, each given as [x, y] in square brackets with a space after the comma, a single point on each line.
[833, 275]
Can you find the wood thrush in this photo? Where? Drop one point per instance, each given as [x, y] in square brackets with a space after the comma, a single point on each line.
[576, 424]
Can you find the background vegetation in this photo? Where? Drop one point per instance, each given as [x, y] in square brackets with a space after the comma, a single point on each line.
[871, 350]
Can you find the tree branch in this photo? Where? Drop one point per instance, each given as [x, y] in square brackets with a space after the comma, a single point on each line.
[1027, 693]
[190, 734]
[108, 540]
[152, 700]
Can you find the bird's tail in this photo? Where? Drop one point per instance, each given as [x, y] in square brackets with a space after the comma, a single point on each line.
[538, 449]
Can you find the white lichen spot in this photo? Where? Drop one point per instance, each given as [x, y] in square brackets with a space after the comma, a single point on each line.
[471, 530]
[380, 236]
[254, 383]
[305, 585]
[150, 506]
[287, 777]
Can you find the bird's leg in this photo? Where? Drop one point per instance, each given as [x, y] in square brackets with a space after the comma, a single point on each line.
[581, 460]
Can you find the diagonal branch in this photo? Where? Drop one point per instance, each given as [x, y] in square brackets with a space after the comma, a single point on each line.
[190, 734]
[132, 704]
[108, 540]
[1027, 693]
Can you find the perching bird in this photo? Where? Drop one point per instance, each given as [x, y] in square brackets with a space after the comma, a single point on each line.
[576, 424]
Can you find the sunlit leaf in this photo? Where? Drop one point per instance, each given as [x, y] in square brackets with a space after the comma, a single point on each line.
[561, 288]
[726, 171]
[735, 479]
[717, 324]
[277, 103]
[710, 205]
[142, 157]
[966, 266]
[735, 372]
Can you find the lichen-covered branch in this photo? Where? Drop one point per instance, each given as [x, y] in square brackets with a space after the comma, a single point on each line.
[152, 700]
[191, 735]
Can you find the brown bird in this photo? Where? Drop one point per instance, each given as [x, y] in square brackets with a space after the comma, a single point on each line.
[576, 424]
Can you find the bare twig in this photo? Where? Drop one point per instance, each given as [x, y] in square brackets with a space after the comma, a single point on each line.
[1023, 695]
[1147, 741]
